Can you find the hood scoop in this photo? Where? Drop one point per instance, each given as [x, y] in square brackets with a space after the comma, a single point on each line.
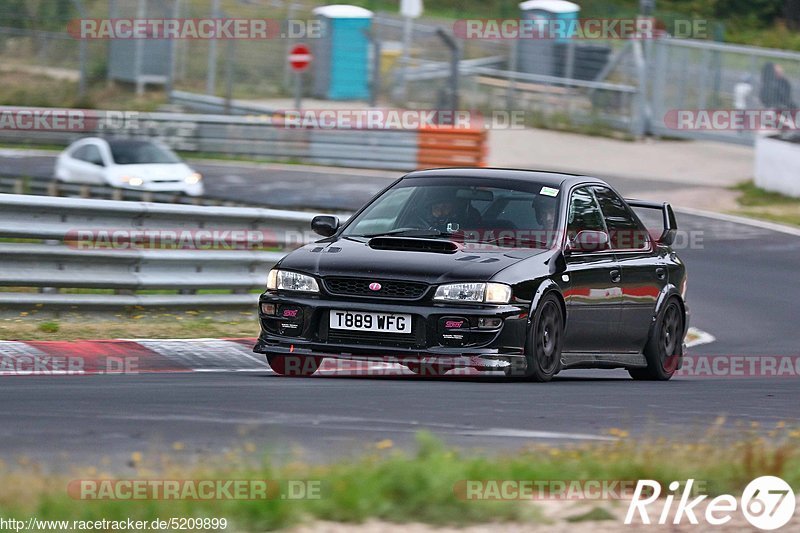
[405, 244]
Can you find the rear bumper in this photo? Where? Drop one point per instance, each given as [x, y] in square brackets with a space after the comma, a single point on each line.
[430, 341]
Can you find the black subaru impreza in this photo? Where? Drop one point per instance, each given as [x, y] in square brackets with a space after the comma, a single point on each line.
[518, 271]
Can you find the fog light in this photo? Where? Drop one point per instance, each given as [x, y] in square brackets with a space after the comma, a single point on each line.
[489, 323]
[268, 309]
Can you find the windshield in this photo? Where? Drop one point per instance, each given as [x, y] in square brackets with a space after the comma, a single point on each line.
[506, 213]
[141, 153]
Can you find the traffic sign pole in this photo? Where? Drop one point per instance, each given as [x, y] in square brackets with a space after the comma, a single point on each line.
[298, 90]
[299, 59]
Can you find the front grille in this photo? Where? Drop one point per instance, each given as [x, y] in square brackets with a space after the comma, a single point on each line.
[389, 340]
[400, 290]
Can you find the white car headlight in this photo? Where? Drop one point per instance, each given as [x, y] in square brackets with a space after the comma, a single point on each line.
[132, 180]
[493, 293]
[283, 280]
[194, 177]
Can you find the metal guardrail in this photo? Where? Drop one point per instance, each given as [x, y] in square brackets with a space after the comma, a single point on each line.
[40, 186]
[65, 245]
[203, 103]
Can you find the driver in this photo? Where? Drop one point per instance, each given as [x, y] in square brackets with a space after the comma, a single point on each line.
[449, 214]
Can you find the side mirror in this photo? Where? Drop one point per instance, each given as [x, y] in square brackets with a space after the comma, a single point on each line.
[588, 241]
[325, 225]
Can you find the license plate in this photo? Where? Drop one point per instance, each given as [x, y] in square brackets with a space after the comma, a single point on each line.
[380, 322]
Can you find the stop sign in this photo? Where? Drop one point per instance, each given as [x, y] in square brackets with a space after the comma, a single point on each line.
[299, 57]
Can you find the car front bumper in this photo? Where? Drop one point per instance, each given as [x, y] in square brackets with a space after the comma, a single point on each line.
[307, 333]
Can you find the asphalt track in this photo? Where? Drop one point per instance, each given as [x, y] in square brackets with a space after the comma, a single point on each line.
[271, 185]
[743, 289]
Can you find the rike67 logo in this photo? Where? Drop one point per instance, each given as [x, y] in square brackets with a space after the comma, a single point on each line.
[767, 503]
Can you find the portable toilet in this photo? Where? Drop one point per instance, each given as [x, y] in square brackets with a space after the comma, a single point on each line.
[341, 54]
[540, 55]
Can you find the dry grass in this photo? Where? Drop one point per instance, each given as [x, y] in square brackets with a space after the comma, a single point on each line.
[138, 324]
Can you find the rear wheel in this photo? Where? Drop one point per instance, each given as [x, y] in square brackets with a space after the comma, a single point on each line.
[294, 365]
[663, 349]
[543, 347]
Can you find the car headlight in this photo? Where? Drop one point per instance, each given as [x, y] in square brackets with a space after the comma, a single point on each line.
[133, 180]
[193, 178]
[283, 280]
[492, 293]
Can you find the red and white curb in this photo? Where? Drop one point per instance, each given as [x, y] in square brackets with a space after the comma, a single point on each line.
[139, 356]
[133, 356]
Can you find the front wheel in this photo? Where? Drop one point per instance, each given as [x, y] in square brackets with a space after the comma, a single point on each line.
[294, 365]
[663, 349]
[543, 347]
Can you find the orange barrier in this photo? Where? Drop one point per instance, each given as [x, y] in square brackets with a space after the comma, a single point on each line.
[448, 146]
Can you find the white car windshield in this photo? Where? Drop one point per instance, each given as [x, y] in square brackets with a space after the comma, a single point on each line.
[141, 153]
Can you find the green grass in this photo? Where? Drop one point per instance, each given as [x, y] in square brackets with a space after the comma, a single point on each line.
[758, 203]
[399, 487]
[49, 326]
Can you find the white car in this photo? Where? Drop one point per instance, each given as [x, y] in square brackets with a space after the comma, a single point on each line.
[127, 163]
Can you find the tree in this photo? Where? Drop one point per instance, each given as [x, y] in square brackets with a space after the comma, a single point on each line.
[791, 12]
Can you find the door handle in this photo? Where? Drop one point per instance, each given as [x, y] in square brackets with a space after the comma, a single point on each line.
[616, 276]
[661, 273]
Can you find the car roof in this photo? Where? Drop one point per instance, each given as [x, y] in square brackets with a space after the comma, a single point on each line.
[128, 142]
[547, 178]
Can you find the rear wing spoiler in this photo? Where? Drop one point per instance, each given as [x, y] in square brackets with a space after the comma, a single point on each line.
[668, 217]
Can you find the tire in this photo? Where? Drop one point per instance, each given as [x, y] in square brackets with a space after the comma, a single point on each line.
[294, 365]
[664, 347]
[429, 369]
[543, 346]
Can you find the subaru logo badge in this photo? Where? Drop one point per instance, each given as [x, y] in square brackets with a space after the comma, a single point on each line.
[374, 286]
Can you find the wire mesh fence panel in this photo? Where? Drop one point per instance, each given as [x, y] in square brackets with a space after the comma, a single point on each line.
[704, 90]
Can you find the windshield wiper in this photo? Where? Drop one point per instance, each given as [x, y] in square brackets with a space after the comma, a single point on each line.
[407, 232]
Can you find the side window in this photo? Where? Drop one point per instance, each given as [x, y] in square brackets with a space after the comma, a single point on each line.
[94, 156]
[80, 153]
[90, 154]
[624, 228]
[584, 213]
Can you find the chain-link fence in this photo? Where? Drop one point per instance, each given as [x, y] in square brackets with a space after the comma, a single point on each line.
[699, 87]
